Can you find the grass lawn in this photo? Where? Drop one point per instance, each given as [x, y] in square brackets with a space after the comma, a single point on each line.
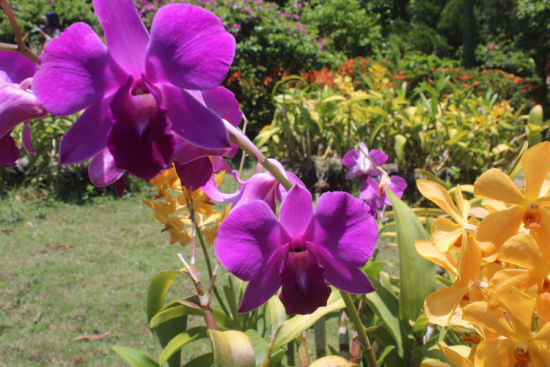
[69, 270]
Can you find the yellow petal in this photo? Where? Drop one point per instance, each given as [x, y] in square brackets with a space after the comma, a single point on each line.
[463, 205]
[540, 357]
[520, 308]
[495, 352]
[499, 226]
[446, 260]
[445, 234]
[437, 193]
[536, 166]
[495, 184]
[434, 363]
[440, 305]
[542, 337]
[509, 278]
[469, 261]
[543, 310]
[522, 250]
[542, 234]
[454, 357]
[479, 314]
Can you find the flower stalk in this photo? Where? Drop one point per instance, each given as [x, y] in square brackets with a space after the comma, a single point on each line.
[242, 141]
[361, 330]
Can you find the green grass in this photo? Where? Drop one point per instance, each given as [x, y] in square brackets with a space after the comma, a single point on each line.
[69, 270]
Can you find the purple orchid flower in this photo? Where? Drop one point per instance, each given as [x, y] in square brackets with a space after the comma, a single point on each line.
[139, 94]
[17, 104]
[303, 251]
[375, 196]
[262, 186]
[360, 163]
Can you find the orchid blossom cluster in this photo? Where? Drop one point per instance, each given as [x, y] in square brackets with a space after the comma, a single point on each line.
[499, 260]
[151, 105]
[366, 166]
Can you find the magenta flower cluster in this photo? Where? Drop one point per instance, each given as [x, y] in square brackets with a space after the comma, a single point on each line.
[367, 168]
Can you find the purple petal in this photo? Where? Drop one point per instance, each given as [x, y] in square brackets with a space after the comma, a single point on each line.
[142, 152]
[186, 152]
[102, 169]
[193, 121]
[222, 101]
[378, 157]
[16, 105]
[343, 226]
[261, 186]
[247, 239]
[120, 185]
[73, 71]
[88, 135]
[8, 151]
[218, 164]
[125, 33]
[213, 192]
[304, 286]
[372, 195]
[27, 138]
[398, 185]
[194, 174]
[296, 211]
[263, 287]
[189, 47]
[340, 274]
[350, 158]
[15, 67]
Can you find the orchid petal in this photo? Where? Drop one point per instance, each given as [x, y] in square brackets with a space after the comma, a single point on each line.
[102, 169]
[495, 352]
[88, 135]
[440, 305]
[265, 285]
[522, 250]
[195, 174]
[343, 226]
[296, 211]
[437, 194]
[520, 306]
[495, 184]
[16, 105]
[193, 121]
[428, 250]
[397, 185]
[189, 47]
[8, 151]
[340, 274]
[478, 313]
[535, 169]
[222, 101]
[212, 190]
[445, 234]
[125, 33]
[247, 238]
[378, 157]
[469, 261]
[304, 288]
[72, 73]
[15, 67]
[497, 227]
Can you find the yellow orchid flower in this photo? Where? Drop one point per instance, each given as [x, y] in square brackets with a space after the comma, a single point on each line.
[516, 345]
[529, 208]
[171, 207]
[522, 250]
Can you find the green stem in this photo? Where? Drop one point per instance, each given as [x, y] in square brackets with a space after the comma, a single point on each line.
[242, 141]
[361, 331]
[20, 47]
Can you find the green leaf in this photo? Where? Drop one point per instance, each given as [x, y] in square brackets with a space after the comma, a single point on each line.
[202, 361]
[174, 312]
[416, 273]
[399, 147]
[293, 326]
[386, 306]
[232, 348]
[180, 340]
[259, 344]
[384, 354]
[159, 286]
[275, 313]
[136, 358]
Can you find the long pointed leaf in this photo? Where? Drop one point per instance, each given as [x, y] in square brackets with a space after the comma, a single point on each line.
[136, 358]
